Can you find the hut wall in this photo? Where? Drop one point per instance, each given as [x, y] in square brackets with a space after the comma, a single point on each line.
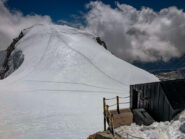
[152, 98]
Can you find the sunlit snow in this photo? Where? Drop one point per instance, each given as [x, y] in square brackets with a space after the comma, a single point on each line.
[57, 92]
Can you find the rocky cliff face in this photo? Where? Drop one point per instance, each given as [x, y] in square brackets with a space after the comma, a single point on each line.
[11, 58]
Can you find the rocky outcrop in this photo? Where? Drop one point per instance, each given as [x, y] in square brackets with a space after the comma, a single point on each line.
[10, 59]
[98, 39]
[3, 55]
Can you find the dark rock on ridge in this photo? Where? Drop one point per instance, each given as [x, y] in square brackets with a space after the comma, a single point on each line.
[10, 59]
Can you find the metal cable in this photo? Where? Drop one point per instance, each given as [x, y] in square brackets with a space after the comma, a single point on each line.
[119, 103]
[115, 98]
[124, 97]
[110, 98]
[124, 103]
[112, 105]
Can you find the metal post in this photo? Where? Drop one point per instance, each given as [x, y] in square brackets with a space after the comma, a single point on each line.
[117, 98]
[104, 114]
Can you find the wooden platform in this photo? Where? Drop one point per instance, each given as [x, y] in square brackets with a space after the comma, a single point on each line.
[124, 118]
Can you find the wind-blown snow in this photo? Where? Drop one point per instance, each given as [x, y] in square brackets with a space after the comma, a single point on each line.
[57, 92]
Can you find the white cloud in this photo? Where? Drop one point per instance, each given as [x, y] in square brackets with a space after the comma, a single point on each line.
[133, 34]
[12, 22]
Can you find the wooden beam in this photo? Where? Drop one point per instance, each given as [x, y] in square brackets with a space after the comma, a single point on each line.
[104, 114]
[117, 99]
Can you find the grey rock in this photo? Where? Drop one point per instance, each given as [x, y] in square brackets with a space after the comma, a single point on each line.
[98, 39]
[14, 62]
[182, 128]
[3, 55]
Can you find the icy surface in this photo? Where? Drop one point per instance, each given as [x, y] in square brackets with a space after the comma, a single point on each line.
[57, 91]
[162, 130]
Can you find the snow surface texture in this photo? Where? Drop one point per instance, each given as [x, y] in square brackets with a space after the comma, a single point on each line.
[57, 91]
[163, 130]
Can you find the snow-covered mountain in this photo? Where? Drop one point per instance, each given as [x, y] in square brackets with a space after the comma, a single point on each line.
[58, 89]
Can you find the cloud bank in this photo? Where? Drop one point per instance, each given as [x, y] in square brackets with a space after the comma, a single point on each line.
[143, 35]
[12, 22]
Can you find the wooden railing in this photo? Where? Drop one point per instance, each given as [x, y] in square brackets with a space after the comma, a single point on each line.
[108, 115]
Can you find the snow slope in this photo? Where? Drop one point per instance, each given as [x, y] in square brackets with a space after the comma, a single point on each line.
[57, 91]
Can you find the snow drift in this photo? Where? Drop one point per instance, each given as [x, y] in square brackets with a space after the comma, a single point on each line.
[158, 130]
[57, 91]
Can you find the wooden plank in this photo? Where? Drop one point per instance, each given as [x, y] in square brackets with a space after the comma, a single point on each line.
[121, 110]
[124, 118]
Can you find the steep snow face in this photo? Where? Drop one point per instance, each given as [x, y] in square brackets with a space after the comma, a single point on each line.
[57, 91]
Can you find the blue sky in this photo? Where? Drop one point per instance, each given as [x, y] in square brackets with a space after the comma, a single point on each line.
[64, 9]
